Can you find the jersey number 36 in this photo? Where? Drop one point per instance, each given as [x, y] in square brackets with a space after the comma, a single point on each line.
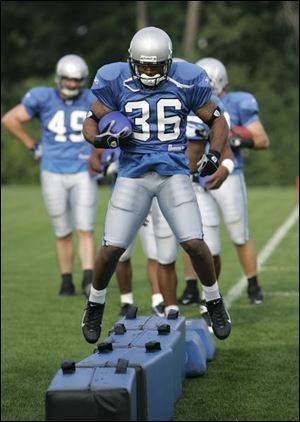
[162, 120]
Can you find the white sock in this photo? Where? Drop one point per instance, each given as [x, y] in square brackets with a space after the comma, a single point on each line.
[211, 292]
[97, 296]
[168, 308]
[202, 295]
[157, 299]
[127, 298]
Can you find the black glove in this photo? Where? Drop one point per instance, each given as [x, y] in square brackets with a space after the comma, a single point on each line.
[108, 139]
[236, 142]
[209, 163]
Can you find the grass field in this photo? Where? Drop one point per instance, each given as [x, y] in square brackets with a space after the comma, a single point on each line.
[254, 376]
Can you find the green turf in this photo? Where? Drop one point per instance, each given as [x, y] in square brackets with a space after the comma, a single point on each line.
[254, 375]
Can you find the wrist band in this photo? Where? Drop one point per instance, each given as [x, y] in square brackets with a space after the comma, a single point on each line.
[229, 164]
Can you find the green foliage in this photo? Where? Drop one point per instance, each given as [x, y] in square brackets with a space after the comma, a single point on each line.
[253, 40]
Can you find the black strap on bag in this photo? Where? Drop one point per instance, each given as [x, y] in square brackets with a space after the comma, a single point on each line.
[122, 366]
[68, 367]
[163, 329]
[152, 346]
[119, 329]
[104, 347]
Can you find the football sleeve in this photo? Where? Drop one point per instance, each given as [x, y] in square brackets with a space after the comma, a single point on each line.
[33, 100]
[201, 92]
[248, 110]
[104, 85]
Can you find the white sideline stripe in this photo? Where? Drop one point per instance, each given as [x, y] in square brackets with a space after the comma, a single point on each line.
[281, 294]
[236, 291]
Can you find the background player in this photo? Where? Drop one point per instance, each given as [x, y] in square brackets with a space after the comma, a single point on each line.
[69, 192]
[247, 131]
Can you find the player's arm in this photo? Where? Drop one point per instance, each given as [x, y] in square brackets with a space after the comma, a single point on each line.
[94, 161]
[90, 125]
[224, 170]
[211, 114]
[259, 135]
[13, 121]
[194, 152]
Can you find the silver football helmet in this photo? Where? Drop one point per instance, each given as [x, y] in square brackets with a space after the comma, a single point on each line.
[150, 47]
[71, 66]
[216, 72]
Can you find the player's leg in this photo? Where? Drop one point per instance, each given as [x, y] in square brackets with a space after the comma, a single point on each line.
[167, 247]
[148, 241]
[64, 255]
[55, 194]
[210, 221]
[248, 259]
[124, 280]
[84, 201]
[232, 199]
[127, 209]
[178, 203]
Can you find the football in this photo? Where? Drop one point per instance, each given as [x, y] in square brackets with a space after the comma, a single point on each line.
[121, 123]
[243, 132]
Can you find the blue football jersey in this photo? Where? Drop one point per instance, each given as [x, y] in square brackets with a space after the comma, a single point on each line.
[64, 148]
[243, 110]
[158, 115]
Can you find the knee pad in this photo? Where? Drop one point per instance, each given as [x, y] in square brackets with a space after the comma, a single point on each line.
[167, 248]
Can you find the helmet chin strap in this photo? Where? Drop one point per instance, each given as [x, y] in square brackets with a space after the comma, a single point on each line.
[151, 80]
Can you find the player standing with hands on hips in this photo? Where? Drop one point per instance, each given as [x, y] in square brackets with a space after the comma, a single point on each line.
[70, 193]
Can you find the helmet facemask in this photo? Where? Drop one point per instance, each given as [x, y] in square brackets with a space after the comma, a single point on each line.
[69, 92]
[159, 71]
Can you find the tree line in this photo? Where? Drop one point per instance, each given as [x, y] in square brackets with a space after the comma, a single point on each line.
[258, 41]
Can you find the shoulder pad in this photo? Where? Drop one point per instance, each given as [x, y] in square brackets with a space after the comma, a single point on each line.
[241, 96]
[42, 93]
[111, 71]
[247, 101]
[188, 71]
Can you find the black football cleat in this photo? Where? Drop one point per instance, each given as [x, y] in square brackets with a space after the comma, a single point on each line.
[255, 295]
[91, 321]
[159, 310]
[125, 308]
[220, 318]
[189, 296]
[67, 288]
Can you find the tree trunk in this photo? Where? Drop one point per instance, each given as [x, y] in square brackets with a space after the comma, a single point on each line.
[141, 20]
[291, 16]
[191, 28]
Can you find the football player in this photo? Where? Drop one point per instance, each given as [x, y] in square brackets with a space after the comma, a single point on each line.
[247, 131]
[156, 97]
[69, 192]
